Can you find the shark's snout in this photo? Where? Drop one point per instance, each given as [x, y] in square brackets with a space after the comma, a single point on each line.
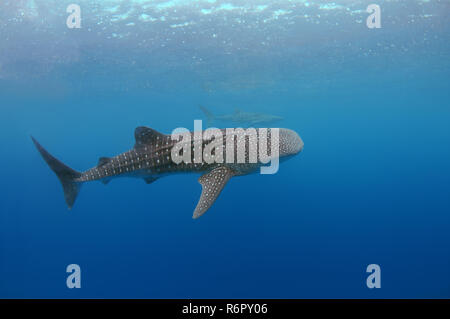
[299, 143]
[290, 142]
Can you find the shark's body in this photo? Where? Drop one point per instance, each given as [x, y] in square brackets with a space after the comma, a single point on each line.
[151, 158]
[241, 118]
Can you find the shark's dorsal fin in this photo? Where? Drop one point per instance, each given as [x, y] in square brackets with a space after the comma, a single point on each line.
[212, 184]
[103, 160]
[146, 136]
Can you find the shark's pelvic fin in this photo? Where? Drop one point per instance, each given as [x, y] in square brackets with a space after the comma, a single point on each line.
[150, 179]
[212, 184]
[146, 136]
[65, 174]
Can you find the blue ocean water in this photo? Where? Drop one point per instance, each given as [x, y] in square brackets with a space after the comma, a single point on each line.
[371, 186]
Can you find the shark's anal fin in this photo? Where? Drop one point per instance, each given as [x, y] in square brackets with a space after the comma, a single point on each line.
[212, 184]
[101, 162]
[150, 179]
[147, 136]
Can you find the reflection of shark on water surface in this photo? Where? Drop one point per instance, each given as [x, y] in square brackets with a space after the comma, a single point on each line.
[151, 158]
[244, 119]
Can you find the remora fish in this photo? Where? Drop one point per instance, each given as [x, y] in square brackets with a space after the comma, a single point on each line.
[242, 118]
[151, 159]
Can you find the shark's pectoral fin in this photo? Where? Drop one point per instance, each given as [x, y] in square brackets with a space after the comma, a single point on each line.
[150, 180]
[212, 184]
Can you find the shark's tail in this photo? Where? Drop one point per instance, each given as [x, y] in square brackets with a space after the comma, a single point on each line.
[209, 116]
[65, 174]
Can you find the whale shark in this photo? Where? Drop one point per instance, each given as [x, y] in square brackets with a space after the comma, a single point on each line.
[152, 158]
[239, 117]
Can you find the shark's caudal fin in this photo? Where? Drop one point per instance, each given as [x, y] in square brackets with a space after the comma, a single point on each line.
[65, 174]
[209, 116]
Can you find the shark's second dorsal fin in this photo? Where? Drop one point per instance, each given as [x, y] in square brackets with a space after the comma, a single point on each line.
[103, 160]
[146, 136]
[212, 184]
